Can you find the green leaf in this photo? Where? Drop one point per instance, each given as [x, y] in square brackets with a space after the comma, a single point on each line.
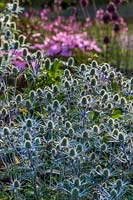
[115, 86]
[118, 114]
[94, 115]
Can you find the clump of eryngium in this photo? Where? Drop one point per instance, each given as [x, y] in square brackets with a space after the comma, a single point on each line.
[71, 140]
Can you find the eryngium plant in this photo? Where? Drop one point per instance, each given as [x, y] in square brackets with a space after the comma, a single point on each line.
[71, 140]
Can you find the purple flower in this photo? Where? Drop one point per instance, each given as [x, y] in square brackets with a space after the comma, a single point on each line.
[99, 14]
[111, 7]
[54, 49]
[106, 17]
[84, 3]
[66, 51]
[116, 28]
[106, 40]
[20, 63]
[115, 16]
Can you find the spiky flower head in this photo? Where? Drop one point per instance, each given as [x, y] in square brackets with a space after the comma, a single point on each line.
[72, 152]
[77, 182]
[27, 136]
[103, 147]
[70, 61]
[6, 131]
[96, 129]
[29, 123]
[50, 124]
[68, 124]
[16, 184]
[64, 142]
[56, 104]
[84, 101]
[28, 144]
[106, 172]
[67, 73]
[47, 63]
[75, 192]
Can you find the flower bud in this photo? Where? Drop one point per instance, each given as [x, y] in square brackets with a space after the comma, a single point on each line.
[54, 151]
[39, 54]
[32, 94]
[6, 46]
[67, 73]
[68, 124]
[84, 101]
[13, 25]
[15, 6]
[92, 72]
[96, 129]
[7, 18]
[75, 82]
[28, 58]
[12, 124]
[28, 144]
[27, 136]
[64, 142]
[116, 132]
[93, 156]
[15, 71]
[79, 148]
[110, 106]
[55, 89]
[25, 52]
[50, 124]
[16, 45]
[121, 137]
[102, 92]
[93, 82]
[111, 7]
[6, 131]
[123, 100]
[119, 183]
[37, 141]
[111, 122]
[77, 182]
[18, 98]
[16, 184]
[113, 193]
[67, 84]
[56, 104]
[48, 64]
[39, 91]
[103, 147]
[106, 172]
[106, 17]
[70, 61]
[116, 97]
[75, 192]
[72, 152]
[104, 68]
[105, 97]
[82, 67]
[94, 63]
[71, 131]
[29, 123]
[4, 112]
[85, 134]
[21, 39]
[98, 168]
[111, 75]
